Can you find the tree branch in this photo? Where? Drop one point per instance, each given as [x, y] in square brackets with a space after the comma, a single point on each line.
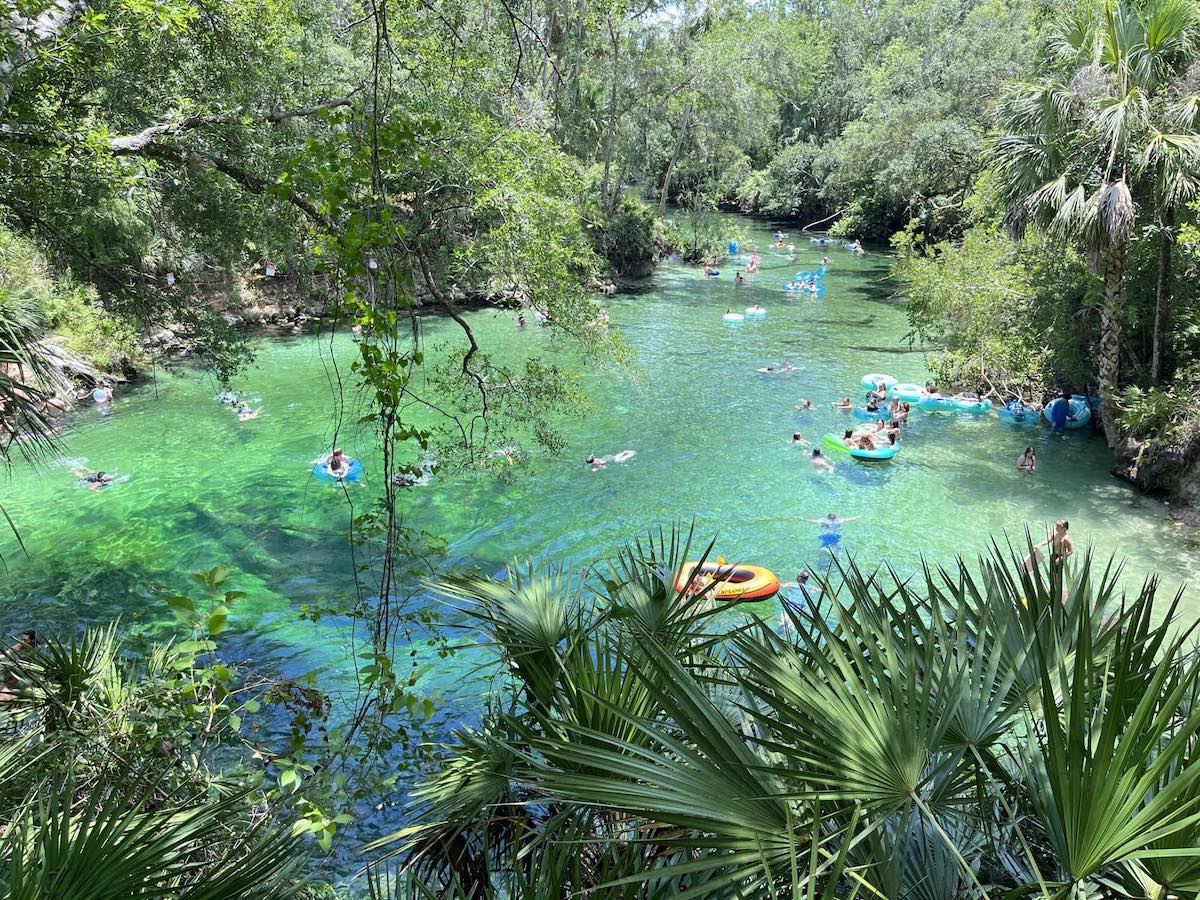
[27, 34]
[143, 144]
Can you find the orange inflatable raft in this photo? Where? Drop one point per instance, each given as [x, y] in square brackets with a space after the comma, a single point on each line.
[732, 582]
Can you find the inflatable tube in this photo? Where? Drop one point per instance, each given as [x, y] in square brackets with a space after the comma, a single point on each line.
[733, 317]
[100, 395]
[909, 393]
[806, 275]
[938, 403]
[879, 453]
[732, 582]
[835, 442]
[755, 311]
[353, 474]
[733, 248]
[713, 274]
[1078, 408]
[1017, 414]
[861, 412]
[973, 406]
[869, 381]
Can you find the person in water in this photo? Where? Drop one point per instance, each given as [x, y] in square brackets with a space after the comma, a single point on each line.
[844, 404]
[1060, 544]
[94, 481]
[798, 438]
[337, 466]
[103, 394]
[931, 388]
[820, 462]
[831, 530]
[710, 271]
[805, 405]
[738, 279]
[1061, 413]
[825, 261]
[1027, 461]
[245, 413]
[600, 462]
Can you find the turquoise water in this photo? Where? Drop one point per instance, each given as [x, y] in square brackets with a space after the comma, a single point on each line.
[712, 442]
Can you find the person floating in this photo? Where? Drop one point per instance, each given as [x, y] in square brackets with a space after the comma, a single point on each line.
[601, 462]
[805, 405]
[843, 404]
[831, 530]
[825, 261]
[245, 413]
[1027, 461]
[337, 464]
[798, 438]
[710, 271]
[820, 462]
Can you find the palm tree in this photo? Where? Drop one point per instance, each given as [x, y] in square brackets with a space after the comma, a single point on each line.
[88, 811]
[1082, 151]
[981, 731]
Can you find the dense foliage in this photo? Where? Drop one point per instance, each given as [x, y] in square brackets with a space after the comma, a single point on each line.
[990, 729]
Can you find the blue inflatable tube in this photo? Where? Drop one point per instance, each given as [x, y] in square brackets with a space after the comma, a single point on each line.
[1078, 408]
[1017, 414]
[874, 378]
[353, 474]
[879, 453]
[938, 403]
[909, 393]
[861, 412]
[973, 406]
[712, 274]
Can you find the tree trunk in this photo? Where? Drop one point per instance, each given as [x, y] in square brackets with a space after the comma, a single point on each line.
[606, 198]
[1108, 360]
[1162, 293]
[683, 129]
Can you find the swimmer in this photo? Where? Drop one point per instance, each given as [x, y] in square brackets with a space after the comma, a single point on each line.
[791, 249]
[521, 319]
[94, 481]
[245, 413]
[820, 462]
[804, 405]
[1027, 461]
[755, 309]
[901, 415]
[825, 261]
[785, 369]
[798, 438]
[710, 271]
[931, 388]
[844, 404]
[831, 530]
[601, 462]
[738, 278]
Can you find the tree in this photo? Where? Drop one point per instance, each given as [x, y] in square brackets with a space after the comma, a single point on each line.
[1081, 151]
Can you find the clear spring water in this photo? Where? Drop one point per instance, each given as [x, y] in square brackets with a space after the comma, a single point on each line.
[712, 441]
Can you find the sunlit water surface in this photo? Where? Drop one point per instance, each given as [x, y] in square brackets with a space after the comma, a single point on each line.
[712, 442]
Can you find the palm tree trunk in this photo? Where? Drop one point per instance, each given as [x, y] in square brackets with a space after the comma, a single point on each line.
[1161, 294]
[683, 128]
[1109, 350]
